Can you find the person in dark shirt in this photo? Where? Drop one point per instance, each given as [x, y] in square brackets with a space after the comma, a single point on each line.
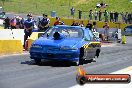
[89, 25]
[129, 18]
[126, 17]
[44, 23]
[106, 14]
[80, 14]
[7, 23]
[90, 14]
[116, 16]
[94, 28]
[100, 15]
[22, 23]
[73, 23]
[28, 26]
[81, 24]
[72, 11]
[111, 16]
[13, 23]
[17, 22]
[106, 30]
[123, 16]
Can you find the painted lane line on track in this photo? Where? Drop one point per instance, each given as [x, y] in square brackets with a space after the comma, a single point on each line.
[127, 70]
[15, 54]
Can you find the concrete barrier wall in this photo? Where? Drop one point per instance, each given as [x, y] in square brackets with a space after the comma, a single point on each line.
[1, 27]
[18, 34]
[6, 35]
[1, 21]
[10, 46]
[9, 34]
[99, 24]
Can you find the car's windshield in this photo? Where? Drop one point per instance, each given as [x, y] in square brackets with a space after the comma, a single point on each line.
[68, 32]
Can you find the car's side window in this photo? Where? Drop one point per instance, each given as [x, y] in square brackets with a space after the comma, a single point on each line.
[87, 36]
[90, 34]
[47, 33]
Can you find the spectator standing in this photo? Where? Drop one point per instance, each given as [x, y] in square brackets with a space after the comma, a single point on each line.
[73, 23]
[126, 17]
[116, 16]
[58, 22]
[111, 16]
[13, 23]
[7, 23]
[72, 11]
[94, 27]
[129, 18]
[44, 23]
[28, 26]
[96, 14]
[22, 23]
[81, 24]
[18, 22]
[123, 17]
[39, 22]
[80, 14]
[106, 15]
[89, 25]
[100, 15]
[106, 30]
[90, 14]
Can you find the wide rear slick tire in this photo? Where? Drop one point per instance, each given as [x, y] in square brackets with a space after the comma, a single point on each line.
[97, 52]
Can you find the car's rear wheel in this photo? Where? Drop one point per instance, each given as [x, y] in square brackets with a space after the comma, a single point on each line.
[37, 61]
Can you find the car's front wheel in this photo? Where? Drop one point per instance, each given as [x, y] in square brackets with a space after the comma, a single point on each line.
[79, 62]
[81, 56]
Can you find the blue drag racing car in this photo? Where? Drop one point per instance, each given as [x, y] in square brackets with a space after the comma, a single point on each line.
[65, 43]
[128, 30]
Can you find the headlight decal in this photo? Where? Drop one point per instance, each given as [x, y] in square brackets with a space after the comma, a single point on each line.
[36, 46]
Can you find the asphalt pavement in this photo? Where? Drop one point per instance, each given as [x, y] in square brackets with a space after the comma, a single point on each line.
[19, 71]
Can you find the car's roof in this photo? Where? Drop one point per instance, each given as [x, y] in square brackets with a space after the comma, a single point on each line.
[68, 26]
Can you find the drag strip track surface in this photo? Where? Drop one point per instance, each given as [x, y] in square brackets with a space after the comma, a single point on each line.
[19, 71]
